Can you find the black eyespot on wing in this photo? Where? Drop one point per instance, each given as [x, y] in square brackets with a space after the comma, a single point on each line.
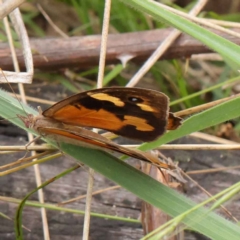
[135, 100]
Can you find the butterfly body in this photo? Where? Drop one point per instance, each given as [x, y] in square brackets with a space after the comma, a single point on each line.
[131, 112]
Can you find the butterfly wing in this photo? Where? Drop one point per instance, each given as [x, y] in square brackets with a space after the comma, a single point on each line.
[173, 121]
[87, 138]
[130, 112]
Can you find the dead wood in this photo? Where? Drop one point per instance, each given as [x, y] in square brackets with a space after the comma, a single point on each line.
[83, 52]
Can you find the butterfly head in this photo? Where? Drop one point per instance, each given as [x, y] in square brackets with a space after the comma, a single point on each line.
[27, 120]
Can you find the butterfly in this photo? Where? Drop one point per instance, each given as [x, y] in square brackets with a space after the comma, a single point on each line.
[135, 113]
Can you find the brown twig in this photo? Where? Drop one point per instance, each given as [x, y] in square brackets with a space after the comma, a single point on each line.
[83, 52]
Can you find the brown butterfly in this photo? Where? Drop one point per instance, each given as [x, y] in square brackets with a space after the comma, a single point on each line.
[135, 113]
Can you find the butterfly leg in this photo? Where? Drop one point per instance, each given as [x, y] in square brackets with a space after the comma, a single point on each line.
[26, 147]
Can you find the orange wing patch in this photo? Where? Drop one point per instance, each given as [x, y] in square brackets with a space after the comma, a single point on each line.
[76, 139]
[88, 118]
[140, 123]
[145, 107]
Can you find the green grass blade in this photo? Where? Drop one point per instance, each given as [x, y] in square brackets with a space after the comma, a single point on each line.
[53, 207]
[157, 194]
[18, 217]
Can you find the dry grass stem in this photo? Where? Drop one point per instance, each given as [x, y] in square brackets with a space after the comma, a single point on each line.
[212, 170]
[212, 138]
[210, 195]
[26, 159]
[8, 6]
[223, 23]
[206, 57]
[103, 50]
[33, 99]
[194, 146]
[93, 193]
[200, 21]
[189, 111]
[29, 164]
[43, 147]
[18, 77]
[51, 23]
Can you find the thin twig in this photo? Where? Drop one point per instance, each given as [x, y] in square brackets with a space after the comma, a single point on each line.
[210, 195]
[193, 147]
[103, 50]
[45, 159]
[212, 138]
[223, 23]
[206, 57]
[37, 100]
[93, 193]
[24, 160]
[189, 111]
[212, 170]
[88, 204]
[8, 6]
[29, 148]
[234, 146]
[105, 28]
[17, 76]
[51, 23]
